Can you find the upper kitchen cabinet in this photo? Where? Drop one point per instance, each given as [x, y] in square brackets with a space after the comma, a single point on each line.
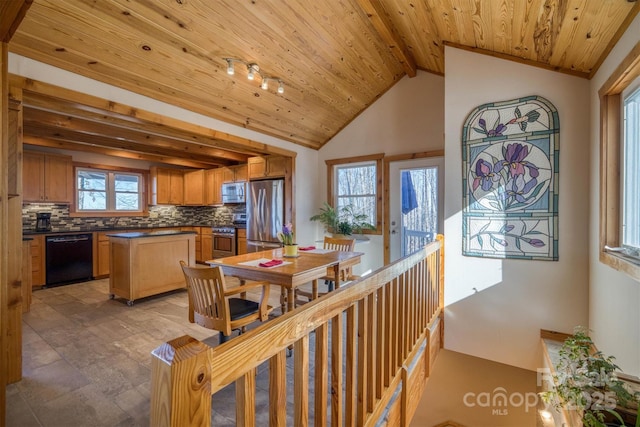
[194, 187]
[268, 166]
[234, 173]
[167, 186]
[213, 186]
[47, 178]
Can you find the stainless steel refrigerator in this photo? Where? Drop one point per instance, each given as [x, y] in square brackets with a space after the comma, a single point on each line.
[265, 214]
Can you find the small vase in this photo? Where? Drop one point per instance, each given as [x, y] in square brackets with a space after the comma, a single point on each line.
[291, 251]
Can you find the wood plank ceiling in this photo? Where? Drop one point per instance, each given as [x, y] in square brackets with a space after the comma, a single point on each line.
[335, 57]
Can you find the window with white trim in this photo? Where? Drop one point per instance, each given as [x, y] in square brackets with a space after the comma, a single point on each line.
[630, 176]
[355, 189]
[105, 191]
[356, 184]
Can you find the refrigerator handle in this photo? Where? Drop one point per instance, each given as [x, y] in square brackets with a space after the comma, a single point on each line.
[261, 213]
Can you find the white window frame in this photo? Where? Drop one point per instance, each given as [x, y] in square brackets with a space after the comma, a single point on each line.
[332, 174]
[110, 210]
[630, 248]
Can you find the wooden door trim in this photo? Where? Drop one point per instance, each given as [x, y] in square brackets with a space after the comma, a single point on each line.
[386, 163]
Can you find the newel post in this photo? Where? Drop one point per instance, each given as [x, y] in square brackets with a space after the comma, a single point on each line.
[181, 383]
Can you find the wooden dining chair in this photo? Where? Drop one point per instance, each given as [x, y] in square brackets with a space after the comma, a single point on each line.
[334, 244]
[211, 304]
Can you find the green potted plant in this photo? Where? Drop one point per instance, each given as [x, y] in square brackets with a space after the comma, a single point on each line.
[586, 381]
[345, 221]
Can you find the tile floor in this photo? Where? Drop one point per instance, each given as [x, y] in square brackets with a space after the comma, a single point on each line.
[86, 362]
[86, 358]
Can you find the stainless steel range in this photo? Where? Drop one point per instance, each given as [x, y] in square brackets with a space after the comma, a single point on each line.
[224, 241]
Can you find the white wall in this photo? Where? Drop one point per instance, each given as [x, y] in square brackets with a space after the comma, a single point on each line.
[409, 118]
[306, 185]
[496, 308]
[614, 314]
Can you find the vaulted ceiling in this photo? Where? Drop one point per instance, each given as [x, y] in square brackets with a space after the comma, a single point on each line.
[334, 57]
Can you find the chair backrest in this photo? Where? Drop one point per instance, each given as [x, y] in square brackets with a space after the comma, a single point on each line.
[339, 244]
[206, 287]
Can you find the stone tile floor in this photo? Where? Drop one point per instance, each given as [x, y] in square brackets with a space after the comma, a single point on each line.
[86, 362]
[86, 358]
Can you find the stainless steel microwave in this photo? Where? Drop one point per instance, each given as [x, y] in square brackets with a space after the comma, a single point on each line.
[233, 192]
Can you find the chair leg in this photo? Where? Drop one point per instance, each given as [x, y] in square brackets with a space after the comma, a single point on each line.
[330, 285]
[223, 338]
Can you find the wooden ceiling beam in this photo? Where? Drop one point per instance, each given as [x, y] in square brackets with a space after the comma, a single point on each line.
[52, 120]
[389, 34]
[57, 134]
[117, 123]
[11, 15]
[63, 145]
[169, 126]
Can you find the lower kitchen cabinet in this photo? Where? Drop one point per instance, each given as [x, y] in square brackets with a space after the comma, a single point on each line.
[198, 240]
[148, 264]
[38, 261]
[102, 260]
[206, 244]
[242, 241]
[26, 275]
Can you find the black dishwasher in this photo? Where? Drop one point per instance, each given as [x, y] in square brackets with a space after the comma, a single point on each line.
[69, 259]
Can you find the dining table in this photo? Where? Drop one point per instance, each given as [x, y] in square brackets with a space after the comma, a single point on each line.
[308, 266]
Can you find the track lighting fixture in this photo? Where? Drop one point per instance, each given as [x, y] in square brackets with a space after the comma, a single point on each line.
[253, 69]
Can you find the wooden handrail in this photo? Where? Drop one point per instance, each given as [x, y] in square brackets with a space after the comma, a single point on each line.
[374, 337]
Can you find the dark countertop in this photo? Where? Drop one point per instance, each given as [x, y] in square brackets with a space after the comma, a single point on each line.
[26, 232]
[158, 233]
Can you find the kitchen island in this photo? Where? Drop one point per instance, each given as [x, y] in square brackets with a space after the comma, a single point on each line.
[143, 264]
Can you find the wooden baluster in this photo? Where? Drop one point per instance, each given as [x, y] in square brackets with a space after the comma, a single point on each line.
[278, 389]
[321, 376]
[246, 399]
[301, 381]
[363, 386]
[381, 341]
[351, 364]
[336, 371]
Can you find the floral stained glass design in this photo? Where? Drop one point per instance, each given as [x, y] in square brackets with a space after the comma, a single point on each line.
[510, 158]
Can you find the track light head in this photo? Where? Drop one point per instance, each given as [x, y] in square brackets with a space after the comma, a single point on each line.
[230, 69]
[252, 70]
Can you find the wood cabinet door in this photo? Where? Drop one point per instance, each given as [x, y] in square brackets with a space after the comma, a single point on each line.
[103, 256]
[241, 173]
[194, 187]
[206, 244]
[241, 247]
[37, 261]
[208, 186]
[58, 179]
[213, 186]
[176, 187]
[33, 177]
[228, 175]
[256, 167]
[160, 186]
[277, 166]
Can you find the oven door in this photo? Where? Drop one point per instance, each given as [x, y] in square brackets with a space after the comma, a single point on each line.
[224, 244]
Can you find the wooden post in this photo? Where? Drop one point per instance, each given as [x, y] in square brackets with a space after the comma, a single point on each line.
[4, 227]
[14, 243]
[181, 383]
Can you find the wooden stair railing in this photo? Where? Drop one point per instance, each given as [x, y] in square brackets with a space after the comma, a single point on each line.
[375, 340]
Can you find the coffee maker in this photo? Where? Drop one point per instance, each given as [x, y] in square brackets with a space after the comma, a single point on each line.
[43, 221]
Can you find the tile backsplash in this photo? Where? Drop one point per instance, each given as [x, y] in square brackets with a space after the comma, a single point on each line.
[159, 216]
